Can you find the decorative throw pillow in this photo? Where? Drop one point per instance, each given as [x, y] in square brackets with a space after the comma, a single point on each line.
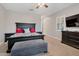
[32, 30]
[27, 30]
[19, 30]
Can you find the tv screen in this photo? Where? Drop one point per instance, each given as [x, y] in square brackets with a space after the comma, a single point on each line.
[72, 21]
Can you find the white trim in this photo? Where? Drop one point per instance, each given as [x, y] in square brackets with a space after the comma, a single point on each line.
[53, 37]
[1, 43]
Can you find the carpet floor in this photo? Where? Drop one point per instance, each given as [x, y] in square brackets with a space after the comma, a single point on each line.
[55, 48]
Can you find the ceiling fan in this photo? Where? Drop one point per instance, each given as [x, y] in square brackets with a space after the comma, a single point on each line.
[40, 5]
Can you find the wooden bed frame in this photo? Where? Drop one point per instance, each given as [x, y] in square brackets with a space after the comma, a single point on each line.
[12, 40]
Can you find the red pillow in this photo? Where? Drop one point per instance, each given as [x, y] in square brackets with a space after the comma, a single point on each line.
[19, 30]
[32, 30]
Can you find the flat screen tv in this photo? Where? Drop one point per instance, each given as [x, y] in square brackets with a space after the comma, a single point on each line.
[72, 21]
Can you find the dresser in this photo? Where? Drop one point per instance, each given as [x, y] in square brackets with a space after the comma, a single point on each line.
[71, 38]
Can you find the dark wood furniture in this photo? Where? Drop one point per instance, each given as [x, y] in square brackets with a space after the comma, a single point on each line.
[12, 40]
[8, 35]
[25, 25]
[70, 38]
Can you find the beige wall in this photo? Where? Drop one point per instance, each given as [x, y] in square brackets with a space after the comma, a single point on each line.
[2, 23]
[9, 18]
[50, 24]
[13, 17]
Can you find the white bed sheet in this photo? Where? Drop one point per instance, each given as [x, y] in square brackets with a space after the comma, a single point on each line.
[25, 34]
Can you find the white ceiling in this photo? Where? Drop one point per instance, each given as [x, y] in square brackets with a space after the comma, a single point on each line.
[25, 8]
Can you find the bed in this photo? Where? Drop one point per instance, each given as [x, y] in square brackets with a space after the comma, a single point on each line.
[17, 37]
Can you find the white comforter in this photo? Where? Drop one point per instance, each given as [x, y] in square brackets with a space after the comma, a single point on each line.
[24, 34]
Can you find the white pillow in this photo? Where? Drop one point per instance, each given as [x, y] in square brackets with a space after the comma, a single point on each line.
[27, 30]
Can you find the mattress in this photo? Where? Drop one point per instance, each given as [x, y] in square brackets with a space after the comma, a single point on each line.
[25, 34]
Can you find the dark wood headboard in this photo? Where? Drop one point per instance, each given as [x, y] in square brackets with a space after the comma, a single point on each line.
[25, 25]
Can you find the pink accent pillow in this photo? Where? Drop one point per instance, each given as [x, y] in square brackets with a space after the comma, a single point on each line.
[32, 30]
[19, 30]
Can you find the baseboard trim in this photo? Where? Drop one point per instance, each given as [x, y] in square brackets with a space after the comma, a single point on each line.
[1, 43]
[53, 37]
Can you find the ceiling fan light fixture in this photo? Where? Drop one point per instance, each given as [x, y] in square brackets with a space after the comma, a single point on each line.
[46, 5]
[41, 5]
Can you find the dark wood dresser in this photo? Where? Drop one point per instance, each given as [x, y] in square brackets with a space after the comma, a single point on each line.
[71, 38]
